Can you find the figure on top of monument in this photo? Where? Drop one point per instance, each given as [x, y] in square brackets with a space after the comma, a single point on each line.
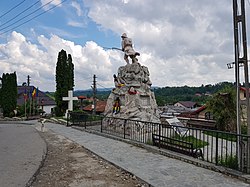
[135, 60]
[127, 48]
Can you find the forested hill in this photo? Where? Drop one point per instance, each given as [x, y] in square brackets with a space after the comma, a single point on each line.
[101, 94]
[171, 95]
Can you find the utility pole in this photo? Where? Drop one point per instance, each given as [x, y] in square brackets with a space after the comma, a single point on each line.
[94, 94]
[29, 94]
[241, 61]
[28, 80]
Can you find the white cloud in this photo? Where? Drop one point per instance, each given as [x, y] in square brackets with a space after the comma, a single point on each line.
[190, 42]
[49, 3]
[184, 42]
[77, 6]
[76, 24]
[39, 61]
[77, 15]
[59, 32]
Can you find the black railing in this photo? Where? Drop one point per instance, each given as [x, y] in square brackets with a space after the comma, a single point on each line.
[218, 147]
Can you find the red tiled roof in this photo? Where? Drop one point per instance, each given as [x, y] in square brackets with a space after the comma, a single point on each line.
[191, 114]
[199, 110]
[100, 106]
[82, 97]
[244, 89]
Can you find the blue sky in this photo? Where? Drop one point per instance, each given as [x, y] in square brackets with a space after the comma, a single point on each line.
[56, 21]
[184, 42]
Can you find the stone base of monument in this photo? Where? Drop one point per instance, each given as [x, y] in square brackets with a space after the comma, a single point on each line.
[131, 129]
[136, 100]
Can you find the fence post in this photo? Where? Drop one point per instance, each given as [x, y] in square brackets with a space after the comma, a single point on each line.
[124, 129]
[101, 122]
[216, 150]
[85, 121]
[67, 120]
[159, 135]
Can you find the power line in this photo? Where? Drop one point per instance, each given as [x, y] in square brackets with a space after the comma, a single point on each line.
[26, 16]
[85, 79]
[19, 13]
[103, 87]
[32, 18]
[12, 9]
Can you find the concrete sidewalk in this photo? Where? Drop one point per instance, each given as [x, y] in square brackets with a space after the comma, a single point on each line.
[155, 169]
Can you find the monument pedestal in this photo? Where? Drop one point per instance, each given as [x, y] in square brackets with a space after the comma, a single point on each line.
[136, 100]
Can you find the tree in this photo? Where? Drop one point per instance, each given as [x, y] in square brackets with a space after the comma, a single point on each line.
[70, 72]
[64, 80]
[223, 107]
[9, 94]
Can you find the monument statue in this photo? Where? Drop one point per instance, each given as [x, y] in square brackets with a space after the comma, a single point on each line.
[127, 48]
[132, 97]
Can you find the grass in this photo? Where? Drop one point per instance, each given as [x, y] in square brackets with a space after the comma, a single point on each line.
[227, 135]
[230, 162]
[221, 135]
[149, 142]
[197, 143]
[59, 117]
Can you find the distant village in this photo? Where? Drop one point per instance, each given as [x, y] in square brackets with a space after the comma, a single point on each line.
[189, 112]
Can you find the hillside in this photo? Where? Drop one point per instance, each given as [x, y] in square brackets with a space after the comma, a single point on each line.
[168, 95]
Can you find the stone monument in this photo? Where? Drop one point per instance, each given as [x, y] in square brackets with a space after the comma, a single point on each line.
[132, 97]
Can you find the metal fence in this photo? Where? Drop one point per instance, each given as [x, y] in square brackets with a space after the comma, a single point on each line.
[218, 147]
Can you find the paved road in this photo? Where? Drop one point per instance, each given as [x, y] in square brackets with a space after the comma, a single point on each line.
[157, 170]
[21, 152]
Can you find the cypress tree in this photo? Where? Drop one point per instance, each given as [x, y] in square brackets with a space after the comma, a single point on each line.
[9, 94]
[71, 72]
[64, 80]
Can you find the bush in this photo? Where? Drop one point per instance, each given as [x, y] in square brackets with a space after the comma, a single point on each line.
[230, 162]
[58, 111]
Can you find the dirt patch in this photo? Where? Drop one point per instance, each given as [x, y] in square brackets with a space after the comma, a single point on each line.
[69, 164]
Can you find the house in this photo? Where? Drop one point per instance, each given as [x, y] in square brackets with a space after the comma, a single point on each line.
[43, 101]
[201, 118]
[202, 113]
[243, 93]
[198, 94]
[100, 107]
[171, 110]
[186, 104]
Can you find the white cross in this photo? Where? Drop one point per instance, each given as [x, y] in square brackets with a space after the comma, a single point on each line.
[70, 100]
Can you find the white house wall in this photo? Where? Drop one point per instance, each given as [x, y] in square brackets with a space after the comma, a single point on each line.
[47, 109]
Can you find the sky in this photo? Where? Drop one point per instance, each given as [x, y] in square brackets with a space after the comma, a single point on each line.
[184, 42]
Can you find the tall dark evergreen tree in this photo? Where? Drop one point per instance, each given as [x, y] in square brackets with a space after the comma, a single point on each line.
[71, 72]
[9, 94]
[64, 80]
